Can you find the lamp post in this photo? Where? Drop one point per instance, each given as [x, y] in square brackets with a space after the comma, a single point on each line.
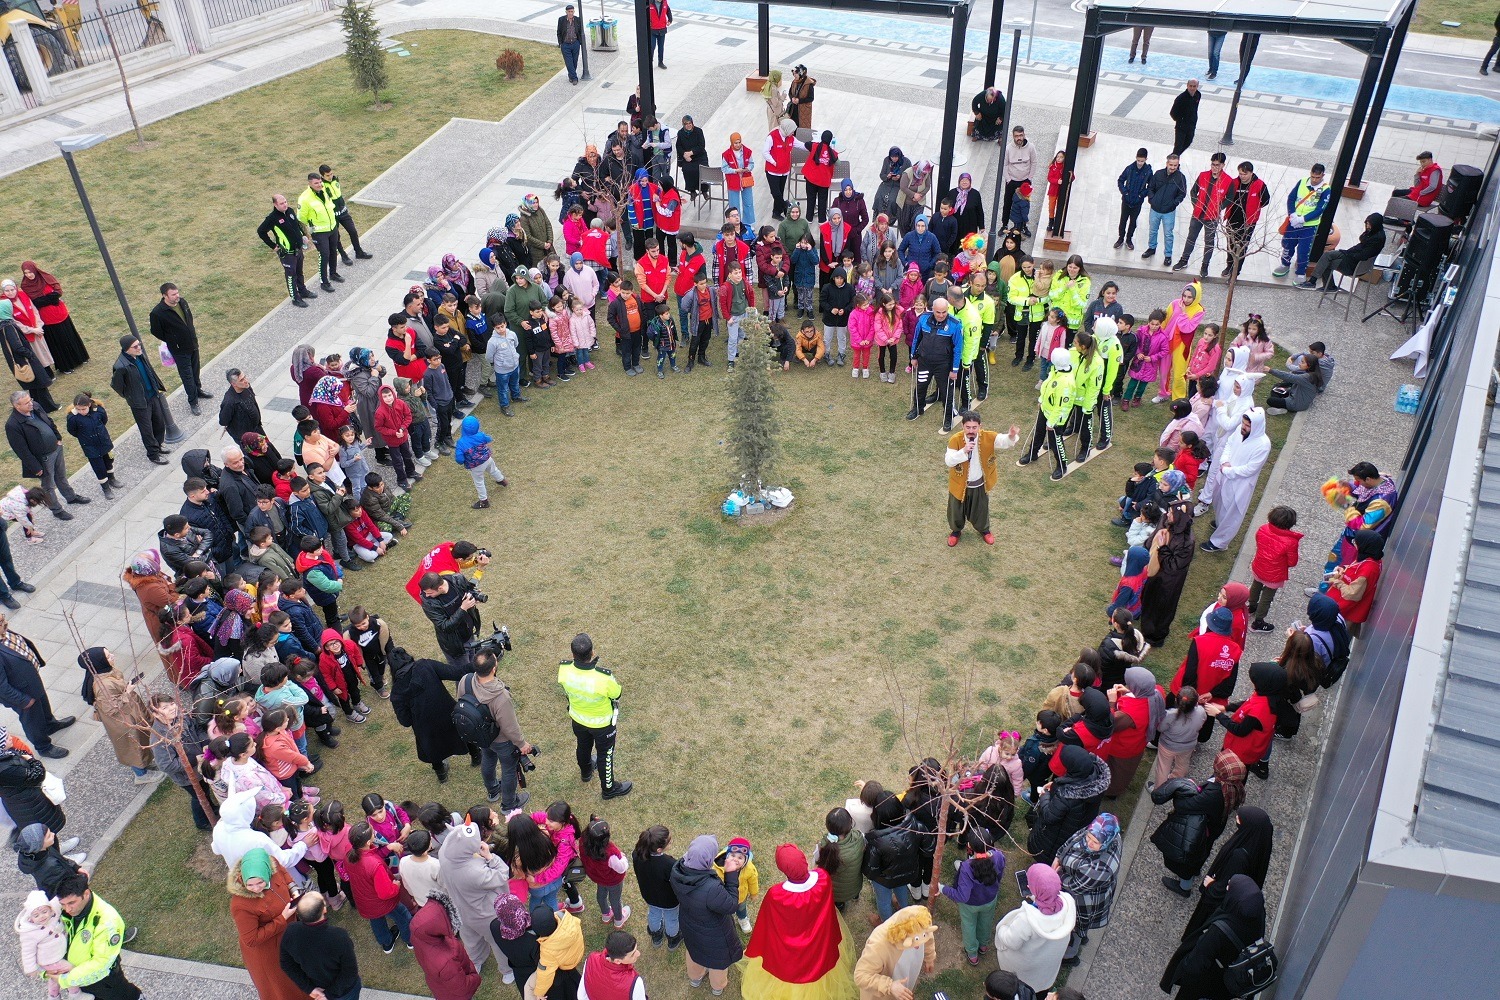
[996, 209]
[68, 145]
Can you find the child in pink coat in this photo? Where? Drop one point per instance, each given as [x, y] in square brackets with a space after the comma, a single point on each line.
[1153, 359]
[911, 287]
[560, 321]
[887, 328]
[44, 941]
[585, 334]
[861, 333]
[1203, 359]
[573, 228]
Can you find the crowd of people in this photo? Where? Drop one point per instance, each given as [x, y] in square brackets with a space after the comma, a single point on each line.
[266, 655]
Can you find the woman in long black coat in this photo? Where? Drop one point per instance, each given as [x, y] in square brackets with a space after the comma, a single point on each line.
[1172, 551]
[17, 350]
[1197, 967]
[1246, 852]
[423, 705]
[21, 777]
[1198, 816]
[706, 912]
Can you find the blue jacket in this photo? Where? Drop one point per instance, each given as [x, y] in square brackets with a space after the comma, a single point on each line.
[1166, 191]
[804, 267]
[93, 437]
[307, 519]
[952, 329]
[473, 447]
[944, 229]
[307, 627]
[1134, 183]
[921, 249]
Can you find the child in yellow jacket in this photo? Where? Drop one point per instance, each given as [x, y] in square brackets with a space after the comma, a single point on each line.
[749, 878]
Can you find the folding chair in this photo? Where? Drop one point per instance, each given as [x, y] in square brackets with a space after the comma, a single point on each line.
[712, 179]
[1360, 270]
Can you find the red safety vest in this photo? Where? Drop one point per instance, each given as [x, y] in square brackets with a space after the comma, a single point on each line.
[818, 167]
[733, 163]
[655, 276]
[688, 269]
[669, 213]
[1217, 657]
[779, 154]
[1252, 749]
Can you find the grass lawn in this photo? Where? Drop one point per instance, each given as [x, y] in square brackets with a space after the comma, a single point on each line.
[757, 663]
[1476, 16]
[186, 209]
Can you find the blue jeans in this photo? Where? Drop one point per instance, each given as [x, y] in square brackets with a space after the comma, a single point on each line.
[508, 385]
[883, 898]
[659, 46]
[385, 934]
[546, 893]
[583, 356]
[661, 919]
[1297, 242]
[1166, 221]
[502, 752]
[1215, 46]
[570, 51]
[744, 200]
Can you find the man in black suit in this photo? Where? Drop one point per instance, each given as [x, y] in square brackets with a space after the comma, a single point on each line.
[34, 438]
[135, 381]
[172, 324]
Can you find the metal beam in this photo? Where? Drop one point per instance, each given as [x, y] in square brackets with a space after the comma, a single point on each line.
[920, 8]
[1357, 114]
[992, 54]
[951, 103]
[1382, 89]
[997, 209]
[1358, 33]
[1084, 86]
[646, 74]
[763, 38]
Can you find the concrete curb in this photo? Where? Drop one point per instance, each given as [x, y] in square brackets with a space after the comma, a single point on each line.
[220, 973]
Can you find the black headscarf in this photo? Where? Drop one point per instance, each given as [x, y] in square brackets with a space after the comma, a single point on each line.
[1252, 836]
[93, 662]
[1096, 716]
[1078, 763]
[1369, 544]
[1244, 907]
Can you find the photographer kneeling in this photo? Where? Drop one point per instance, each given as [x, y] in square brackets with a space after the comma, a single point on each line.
[507, 746]
[451, 602]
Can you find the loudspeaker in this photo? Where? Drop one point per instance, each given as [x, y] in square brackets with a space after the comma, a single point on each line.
[1431, 235]
[1461, 191]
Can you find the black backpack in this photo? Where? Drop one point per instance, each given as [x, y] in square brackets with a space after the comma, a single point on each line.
[1254, 968]
[473, 721]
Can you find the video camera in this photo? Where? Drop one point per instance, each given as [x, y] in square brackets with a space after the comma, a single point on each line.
[497, 642]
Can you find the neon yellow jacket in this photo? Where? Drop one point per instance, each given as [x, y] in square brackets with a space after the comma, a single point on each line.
[1088, 378]
[316, 210]
[1017, 291]
[591, 694]
[1057, 397]
[95, 938]
[1072, 296]
[975, 315]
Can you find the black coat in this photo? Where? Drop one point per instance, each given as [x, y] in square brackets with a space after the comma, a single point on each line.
[21, 780]
[1063, 811]
[179, 334]
[423, 705]
[46, 868]
[209, 518]
[893, 854]
[454, 626]
[971, 219]
[128, 384]
[239, 413]
[1197, 967]
[1185, 110]
[1188, 833]
[20, 681]
[31, 442]
[706, 910]
[237, 496]
[18, 349]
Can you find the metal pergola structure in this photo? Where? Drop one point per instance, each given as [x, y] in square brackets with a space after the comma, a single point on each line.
[1376, 28]
[956, 11]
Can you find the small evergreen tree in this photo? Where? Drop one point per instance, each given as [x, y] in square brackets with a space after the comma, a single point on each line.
[362, 46]
[754, 427]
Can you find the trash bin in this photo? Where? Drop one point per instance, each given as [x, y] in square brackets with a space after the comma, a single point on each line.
[594, 27]
[607, 31]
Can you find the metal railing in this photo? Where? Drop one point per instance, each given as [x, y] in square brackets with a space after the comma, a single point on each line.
[222, 12]
[82, 39]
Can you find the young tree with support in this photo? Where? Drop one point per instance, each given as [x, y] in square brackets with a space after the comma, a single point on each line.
[362, 47]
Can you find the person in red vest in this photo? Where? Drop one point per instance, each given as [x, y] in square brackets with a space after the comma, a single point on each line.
[1209, 192]
[690, 264]
[668, 215]
[659, 13]
[817, 171]
[610, 974]
[1251, 723]
[1247, 195]
[449, 557]
[738, 164]
[778, 157]
[640, 210]
[596, 249]
[1426, 188]
[1212, 665]
[402, 347]
[833, 238]
[653, 276]
[730, 248]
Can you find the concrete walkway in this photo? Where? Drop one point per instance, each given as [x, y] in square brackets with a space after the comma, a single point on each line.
[77, 573]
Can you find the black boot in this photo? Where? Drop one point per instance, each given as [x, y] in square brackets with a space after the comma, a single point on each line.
[673, 942]
[658, 938]
[441, 769]
[109, 493]
[326, 738]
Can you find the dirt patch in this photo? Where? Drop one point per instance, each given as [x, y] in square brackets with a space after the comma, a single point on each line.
[207, 865]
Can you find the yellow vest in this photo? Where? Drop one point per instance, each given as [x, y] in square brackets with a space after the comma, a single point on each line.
[591, 694]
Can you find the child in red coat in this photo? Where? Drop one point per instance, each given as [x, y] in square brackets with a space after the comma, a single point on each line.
[341, 667]
[1275, 555]
[364, 535]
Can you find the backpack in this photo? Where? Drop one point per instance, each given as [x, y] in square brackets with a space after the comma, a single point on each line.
[472, 720]
[1255, 967]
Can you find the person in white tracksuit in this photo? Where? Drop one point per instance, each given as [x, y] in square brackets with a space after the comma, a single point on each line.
[1239, 464]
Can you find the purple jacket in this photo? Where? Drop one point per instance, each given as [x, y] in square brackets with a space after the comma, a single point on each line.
[969, 890]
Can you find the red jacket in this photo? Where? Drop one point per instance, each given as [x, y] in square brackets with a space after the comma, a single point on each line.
[726, 297]
[661, 14]
[192, 655]
[375, 895]
[1256, 196]
[445, 963]
[688, 269]
[392, 417]
[1190, 465]
[826, 259]
[779, 153]
[818, 167]
[1275, 554]
[669, 212]
[1252, 748]
[1424, 178]
[596, 247]
[1208, 194]
[741, 253]
[1126, 744]
[655, 279]
[362, 532]
[1217, 658]
[734, 164]
[331, 670]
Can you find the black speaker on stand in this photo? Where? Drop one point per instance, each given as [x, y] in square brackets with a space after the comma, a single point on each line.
[1423, 256]
[1461, 192]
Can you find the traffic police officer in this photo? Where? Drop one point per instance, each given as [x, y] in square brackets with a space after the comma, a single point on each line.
[95, 936]
[341, 213]
[593, 706]
[315, 209]
[1055, 405]
[282, 232]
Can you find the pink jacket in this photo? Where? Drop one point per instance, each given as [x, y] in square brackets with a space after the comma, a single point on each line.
[584, 284]
[1051, 338]
[1150, 349]
[862, 327]
[886, 333]
[562, 333]
[566, 842]
[573, 230]
[1205, 358]
[908, 291]
[585, 333]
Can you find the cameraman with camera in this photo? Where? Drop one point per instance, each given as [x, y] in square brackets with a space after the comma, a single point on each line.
[593, 707]
[507, 746]
[451, 602]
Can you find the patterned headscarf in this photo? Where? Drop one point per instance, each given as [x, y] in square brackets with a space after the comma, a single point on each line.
[1105, 829]
[512, 916]
[254, 444]
[230, 625]
[329, 390]
[146, 562]
[455, 270]
[1230, 772]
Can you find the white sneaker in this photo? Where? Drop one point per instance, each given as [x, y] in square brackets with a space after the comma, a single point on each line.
[854, 372]
[744, 923]
[508, 978]
[68, 845]
[623, 916]
[78, 858]
[1200, 508]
